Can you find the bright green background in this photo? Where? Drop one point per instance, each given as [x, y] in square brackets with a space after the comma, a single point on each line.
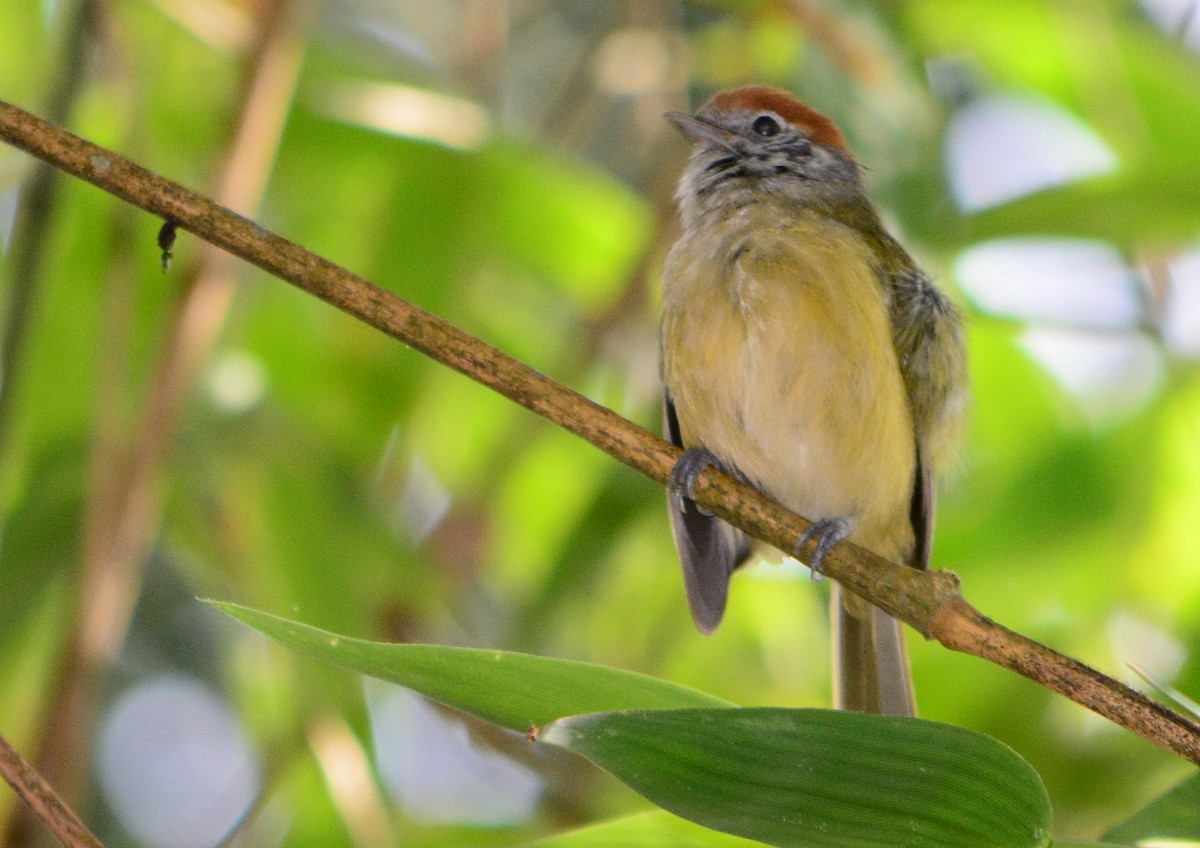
[546, 241]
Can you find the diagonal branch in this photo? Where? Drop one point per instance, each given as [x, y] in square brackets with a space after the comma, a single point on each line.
[929, 601]
[43, 801]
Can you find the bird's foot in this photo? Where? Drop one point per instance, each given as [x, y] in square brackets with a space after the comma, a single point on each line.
[828, 532]
[690, 466]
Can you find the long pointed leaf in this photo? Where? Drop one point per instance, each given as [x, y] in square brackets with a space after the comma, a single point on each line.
[820, 778]
[511, 689]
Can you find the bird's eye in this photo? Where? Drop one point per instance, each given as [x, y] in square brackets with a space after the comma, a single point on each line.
[765, 126]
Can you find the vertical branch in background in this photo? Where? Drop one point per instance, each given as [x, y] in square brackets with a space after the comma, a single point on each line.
[39, 198]
[123, 510]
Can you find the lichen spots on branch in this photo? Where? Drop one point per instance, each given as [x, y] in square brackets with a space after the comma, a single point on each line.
[758, 98]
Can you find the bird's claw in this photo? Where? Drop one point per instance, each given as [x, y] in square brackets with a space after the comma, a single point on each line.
[687, 470]
[828, 532]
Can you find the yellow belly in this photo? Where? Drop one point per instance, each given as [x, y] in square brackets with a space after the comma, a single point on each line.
[777, 353]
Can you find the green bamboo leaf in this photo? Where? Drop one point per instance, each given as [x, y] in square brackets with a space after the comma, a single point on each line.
[645, 830]
[1175, 816]
[820, 778]
[1125, 209]
[513, 690]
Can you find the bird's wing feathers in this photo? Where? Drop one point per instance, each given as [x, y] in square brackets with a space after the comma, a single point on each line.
[927, 333]
[709, 548]
[922, 511]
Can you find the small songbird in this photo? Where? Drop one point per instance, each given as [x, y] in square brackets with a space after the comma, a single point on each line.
[804, 352]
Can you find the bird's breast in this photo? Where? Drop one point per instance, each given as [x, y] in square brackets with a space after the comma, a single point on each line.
[778, 355]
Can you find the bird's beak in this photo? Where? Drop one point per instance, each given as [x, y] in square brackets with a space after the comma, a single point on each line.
[701, 131]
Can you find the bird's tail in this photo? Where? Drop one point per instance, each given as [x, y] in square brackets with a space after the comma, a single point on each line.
[870, 663]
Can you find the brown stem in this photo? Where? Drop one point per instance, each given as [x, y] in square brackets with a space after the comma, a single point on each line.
[929, 601]
[32, 788]
[959, 626]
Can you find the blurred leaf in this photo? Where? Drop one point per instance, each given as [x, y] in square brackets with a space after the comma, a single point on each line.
[510, 689]
[613, 504]
[581, 229]
[648, 830]
[1131, 83]
[820, 777]
[1126, 210]
[1175, 815]
[565, 476]
[41, 537]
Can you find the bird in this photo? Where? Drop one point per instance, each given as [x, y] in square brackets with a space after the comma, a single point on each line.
[805, 352]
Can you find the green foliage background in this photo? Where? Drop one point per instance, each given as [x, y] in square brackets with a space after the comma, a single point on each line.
[289, 482]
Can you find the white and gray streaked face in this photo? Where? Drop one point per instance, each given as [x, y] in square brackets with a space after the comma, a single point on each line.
[754, 140]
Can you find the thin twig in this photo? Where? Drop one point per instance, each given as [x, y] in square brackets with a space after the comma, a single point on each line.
[42, 800]
[929, 601]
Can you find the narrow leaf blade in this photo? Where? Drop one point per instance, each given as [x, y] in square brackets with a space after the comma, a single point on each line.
[511, 689]
[820, 778]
